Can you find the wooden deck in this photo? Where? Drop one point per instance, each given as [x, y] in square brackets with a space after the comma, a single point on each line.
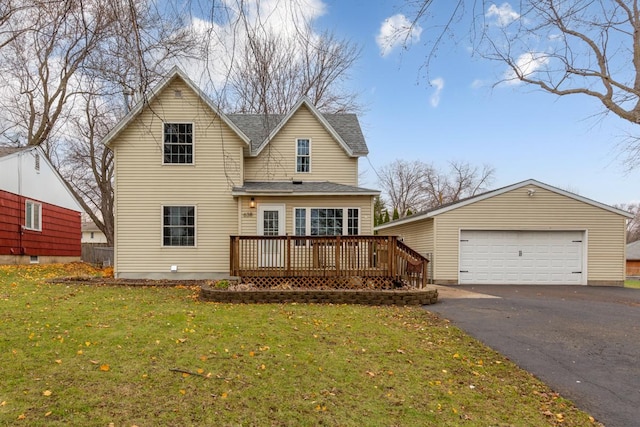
[327, 262]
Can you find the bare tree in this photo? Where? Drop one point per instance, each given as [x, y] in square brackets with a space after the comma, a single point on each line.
[633, 225]
[401, 182]
[88, 166]
[274, 71]
[418, 186]
[39, 65]
[563, 47]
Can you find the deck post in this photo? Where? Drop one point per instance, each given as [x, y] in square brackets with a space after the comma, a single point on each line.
[337, 255]
[288, 249]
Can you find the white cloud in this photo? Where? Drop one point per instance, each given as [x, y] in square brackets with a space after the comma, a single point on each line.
[526, 64]
[478, 83]
[438, 84]
[396, 31]
[504, 14]
[225, 39]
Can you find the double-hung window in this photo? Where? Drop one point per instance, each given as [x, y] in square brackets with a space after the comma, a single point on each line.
[327, 221]
[178, 226]
[33, 215]
[303, 155]
[178, 143]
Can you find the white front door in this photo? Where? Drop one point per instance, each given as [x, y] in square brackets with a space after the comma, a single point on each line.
[271, 223]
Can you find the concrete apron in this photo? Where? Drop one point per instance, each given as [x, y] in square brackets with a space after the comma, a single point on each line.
[445, 292]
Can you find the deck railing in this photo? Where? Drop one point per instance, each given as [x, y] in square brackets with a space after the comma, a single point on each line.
[315, 261]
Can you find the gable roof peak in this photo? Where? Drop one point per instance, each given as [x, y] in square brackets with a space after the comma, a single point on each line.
[175, 72]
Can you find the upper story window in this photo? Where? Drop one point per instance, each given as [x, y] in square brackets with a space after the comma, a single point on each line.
[33, 216]
[178, 143]
[178, 226]
[303, 155]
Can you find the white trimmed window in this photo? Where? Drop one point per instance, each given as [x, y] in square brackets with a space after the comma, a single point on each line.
[33, 215]
[178, 226]
[327, 221]
[178, 143]
[303, 155]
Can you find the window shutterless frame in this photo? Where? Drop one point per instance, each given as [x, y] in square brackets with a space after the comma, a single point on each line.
[32, 215]
[178, 143]
[178, 226]
[310, 223]
[303, 155]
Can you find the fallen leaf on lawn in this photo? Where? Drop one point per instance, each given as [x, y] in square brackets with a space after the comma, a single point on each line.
[185, 375]
[46, 393]
[224, 395]
[48, 413]
[58, 361]
[3, 403]
[104, 367]
[251, 353]
[400, 351]
[22, 416]
[371, 374]
[181, 340]
[95, 362]
[183, 391]
[263, 367]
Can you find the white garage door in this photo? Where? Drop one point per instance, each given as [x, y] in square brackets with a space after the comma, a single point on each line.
[521, 257]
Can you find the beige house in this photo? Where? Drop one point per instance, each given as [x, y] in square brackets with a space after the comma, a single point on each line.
[526, 233]
[188, 177]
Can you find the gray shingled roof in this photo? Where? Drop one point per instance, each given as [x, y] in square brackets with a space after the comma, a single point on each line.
[298, 187]
[5, 151]
[633, 250]
[258, 126]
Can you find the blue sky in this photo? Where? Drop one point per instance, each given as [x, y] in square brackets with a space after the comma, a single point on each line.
[521, 132]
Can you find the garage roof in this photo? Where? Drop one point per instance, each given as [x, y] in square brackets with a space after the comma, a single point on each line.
[464, 202]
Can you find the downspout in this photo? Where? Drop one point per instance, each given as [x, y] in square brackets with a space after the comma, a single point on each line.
[21, 202]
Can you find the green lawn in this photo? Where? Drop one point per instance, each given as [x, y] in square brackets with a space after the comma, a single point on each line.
[87, 355]
[635, 284]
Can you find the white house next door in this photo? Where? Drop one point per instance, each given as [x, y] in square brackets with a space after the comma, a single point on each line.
[271, 223]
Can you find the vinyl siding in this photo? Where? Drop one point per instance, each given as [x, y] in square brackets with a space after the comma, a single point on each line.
[277, 161]
[418, 235]
[144, 185]
[515, 210]
[249, 216]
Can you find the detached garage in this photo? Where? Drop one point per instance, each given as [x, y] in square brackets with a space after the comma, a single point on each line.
[526, 233]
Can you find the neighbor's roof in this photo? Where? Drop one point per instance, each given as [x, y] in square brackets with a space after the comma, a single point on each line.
[254, 129]
[633, 250]
[5, 151]
[464, 202]
[300, 188]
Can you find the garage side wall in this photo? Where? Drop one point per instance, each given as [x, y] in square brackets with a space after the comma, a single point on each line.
[418, 235]
[545, 210]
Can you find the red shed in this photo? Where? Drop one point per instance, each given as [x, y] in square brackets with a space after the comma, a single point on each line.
[39, 217]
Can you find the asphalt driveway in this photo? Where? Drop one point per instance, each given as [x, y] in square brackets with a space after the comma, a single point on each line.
[582, 341]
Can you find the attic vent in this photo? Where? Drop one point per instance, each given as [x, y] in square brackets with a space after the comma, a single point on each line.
[37, 162]
[297, 182]
[177, 93]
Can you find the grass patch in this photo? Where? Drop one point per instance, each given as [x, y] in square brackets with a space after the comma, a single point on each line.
[634, 284]
[83, 355]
